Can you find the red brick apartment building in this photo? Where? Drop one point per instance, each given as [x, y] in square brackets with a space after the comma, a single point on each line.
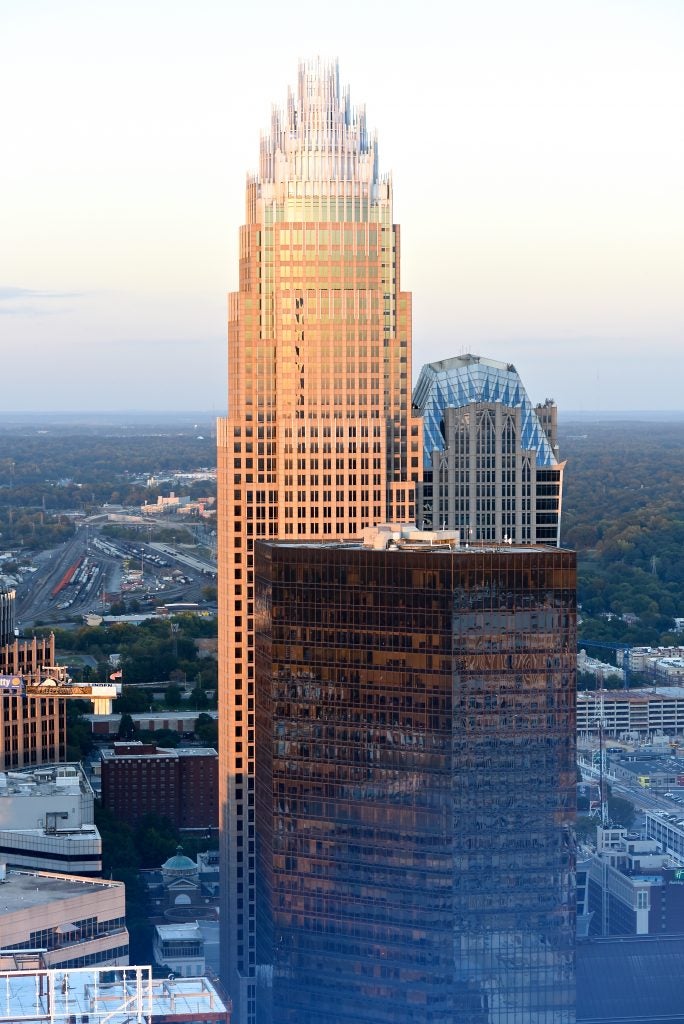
[180, 784]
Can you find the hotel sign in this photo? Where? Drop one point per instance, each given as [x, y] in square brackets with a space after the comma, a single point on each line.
[11, 684]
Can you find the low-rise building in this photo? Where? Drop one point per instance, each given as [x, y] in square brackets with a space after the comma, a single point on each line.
[649, 771]
[180, 948]
[47, 820]
[182, 722]
[634, 888]
[643, 659]
[179, 783]
[594, 667]
[76, 921]
[635, 713]
[668, 830]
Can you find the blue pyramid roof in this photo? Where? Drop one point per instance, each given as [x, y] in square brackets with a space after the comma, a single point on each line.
[453, 383]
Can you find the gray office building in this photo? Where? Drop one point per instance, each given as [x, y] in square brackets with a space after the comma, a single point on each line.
[490, 458]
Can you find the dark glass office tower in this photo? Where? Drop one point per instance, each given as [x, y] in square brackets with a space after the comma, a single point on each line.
[415, 781]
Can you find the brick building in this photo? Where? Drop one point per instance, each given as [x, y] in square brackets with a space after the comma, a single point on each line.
[180, 784]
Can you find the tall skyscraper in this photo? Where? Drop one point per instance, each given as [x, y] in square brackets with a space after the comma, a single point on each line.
[320, 440]
[415, 781]
[491, 467]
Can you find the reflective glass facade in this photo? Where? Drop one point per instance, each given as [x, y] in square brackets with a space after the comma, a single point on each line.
[415, 784]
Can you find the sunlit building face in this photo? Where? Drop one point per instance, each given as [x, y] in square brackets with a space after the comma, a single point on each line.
[319, 441]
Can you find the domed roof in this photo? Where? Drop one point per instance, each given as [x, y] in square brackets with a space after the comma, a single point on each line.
[179, 863]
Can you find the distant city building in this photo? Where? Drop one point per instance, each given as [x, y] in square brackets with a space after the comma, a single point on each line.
[637, 714]
[47, 820]
[182, 722]
[653, 660]
[415, 781]
[77, 921]
[180, 949]
[490, 458]
[601, 669]
[634, 888]
[179, 783]
[165, 504]
[668, 830]
[105, 996]
[182, 891]
[652, 771]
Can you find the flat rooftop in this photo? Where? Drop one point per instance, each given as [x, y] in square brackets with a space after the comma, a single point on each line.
[84, 994]
[654, 765]
[110, 754]
[647, 693]
[179, 931]
[47, 780]
[22, 890]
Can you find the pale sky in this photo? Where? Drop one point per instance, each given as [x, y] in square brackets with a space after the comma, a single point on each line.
[536, 148]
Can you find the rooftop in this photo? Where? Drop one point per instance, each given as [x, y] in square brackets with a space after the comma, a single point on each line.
[60, 996]
[463, 380]
[22, 890]
[171, 932]
[650, 693]
[651, 765]
[44, 781]
[407, 537]
[111, 754]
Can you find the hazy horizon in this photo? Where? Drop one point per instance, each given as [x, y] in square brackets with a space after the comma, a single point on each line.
[537, 163]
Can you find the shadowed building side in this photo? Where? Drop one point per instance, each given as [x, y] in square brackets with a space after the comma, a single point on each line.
[415, 782]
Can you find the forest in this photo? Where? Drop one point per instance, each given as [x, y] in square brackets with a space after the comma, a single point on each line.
[623, 506]
[50, 468]
[623, 511]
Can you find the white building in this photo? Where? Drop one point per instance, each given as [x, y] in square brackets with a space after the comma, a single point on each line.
[180, 947]
[47, 820]
[632, 712]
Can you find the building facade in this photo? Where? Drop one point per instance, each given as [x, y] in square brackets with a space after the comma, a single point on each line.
[77, 921]
[638, 714]
[47, 820]
[634, 886]
[415, 783]
[180, 949]
[32, 718]
[491, 466]
[320, 440]
[178, 783]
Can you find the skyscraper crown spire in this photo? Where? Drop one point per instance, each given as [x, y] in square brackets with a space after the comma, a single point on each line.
[319, 137]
